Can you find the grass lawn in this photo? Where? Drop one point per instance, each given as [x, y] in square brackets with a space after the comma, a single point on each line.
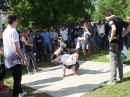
[118, 90]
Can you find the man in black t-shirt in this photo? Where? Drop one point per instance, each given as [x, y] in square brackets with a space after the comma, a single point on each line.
[116, 43]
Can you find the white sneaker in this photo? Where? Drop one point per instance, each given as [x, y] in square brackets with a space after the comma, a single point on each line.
[22, 94]
[81, 38]
[62, 43]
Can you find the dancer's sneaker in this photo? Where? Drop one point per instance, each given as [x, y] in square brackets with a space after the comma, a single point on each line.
[81, 38]
[62, 43]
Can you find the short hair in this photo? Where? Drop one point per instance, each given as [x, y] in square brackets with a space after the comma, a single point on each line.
[11, 18]
[108, 12]
[37, 31]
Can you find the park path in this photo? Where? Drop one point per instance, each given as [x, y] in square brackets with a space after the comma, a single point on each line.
[93, 74]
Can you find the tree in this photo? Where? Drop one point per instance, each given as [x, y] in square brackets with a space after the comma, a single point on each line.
[118, 7]
[50, 12]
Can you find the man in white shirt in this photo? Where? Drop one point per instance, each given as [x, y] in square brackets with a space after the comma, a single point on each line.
[69, 61]
[64, 35]
[13, 55]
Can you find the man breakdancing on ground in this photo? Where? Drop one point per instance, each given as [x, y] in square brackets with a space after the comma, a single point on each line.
[69, 61]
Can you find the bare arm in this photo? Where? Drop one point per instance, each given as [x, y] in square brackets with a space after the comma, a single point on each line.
[89, 33]
[27, 43]
[1, 51]
[127, 29]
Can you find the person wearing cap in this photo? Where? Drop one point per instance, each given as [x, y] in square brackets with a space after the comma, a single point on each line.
[27, 43]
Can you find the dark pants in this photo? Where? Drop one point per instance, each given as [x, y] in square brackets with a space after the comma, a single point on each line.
[102, 42]
[17, 77]
[40, 53]
[29, 56]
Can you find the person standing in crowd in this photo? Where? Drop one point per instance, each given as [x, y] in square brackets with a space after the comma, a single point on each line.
[128, 35]
[40, 46]
[93, 37]
[46, 40]
[27, 43]
[101, 32]
[71, 33]
[75, 34]
[116, 43]
[106, 32]
[3, 87]
[54, 38]
[33, 47]
[86, 42]
[13, 54]
[20, 41]
[80, 30]
[64, 35]
[71, 48]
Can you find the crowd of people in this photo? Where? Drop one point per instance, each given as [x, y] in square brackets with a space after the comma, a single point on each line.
[35, 45]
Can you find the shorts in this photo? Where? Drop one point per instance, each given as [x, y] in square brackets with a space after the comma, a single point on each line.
[93, 40]
[2, 71]
[70, 66]
[86, 46]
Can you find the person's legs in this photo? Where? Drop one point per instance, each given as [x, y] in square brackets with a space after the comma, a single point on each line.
[44, 55]
[113, 60]
[33, 60]
[39, 54]
[84, 50]
[120, 65]
[28, 59]
[17, 76]
[76, 54]
[2, 75]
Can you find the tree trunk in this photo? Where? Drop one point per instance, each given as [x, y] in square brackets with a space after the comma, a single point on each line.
[55, 14]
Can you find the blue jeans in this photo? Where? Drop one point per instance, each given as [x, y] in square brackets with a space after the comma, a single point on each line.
[54, 46]
[47, 47]
[35, 51]
[75, 41]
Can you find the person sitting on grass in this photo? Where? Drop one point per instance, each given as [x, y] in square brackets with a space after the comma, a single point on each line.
[69, 61]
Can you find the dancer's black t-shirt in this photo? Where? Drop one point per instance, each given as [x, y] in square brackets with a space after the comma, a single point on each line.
[116, 45]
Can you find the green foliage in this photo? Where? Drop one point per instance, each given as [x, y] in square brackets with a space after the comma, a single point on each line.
[120, 8]
[45, 13]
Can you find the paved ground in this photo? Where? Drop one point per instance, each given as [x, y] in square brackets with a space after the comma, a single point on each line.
[93, 74]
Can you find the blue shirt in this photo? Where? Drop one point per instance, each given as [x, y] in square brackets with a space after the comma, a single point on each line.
[46, 37]
[92, 30]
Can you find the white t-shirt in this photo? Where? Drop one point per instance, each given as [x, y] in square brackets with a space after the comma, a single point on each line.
[10, 35]
[67, 59]
[64, 34]
[101, 29]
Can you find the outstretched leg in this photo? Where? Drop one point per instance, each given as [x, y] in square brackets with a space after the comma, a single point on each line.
[58, 51]
[76, 54]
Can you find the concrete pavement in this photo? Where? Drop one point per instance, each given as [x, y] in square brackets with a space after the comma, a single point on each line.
[93, 74]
